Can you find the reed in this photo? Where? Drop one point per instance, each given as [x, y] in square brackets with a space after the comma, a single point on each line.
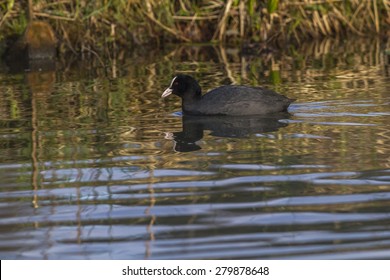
[103, 26]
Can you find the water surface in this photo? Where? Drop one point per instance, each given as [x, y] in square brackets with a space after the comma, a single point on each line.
[94, 165]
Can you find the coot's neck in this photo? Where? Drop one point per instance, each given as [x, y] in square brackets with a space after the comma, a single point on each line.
[191, 98]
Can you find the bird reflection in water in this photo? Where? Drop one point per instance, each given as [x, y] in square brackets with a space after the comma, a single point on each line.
[193, 128]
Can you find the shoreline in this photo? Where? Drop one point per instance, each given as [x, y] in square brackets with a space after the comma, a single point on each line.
[102, 29]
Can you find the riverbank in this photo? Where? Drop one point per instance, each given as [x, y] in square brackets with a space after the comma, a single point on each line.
[101, 27]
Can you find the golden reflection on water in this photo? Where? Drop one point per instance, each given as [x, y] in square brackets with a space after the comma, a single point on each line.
[320, 71]
[81, 128]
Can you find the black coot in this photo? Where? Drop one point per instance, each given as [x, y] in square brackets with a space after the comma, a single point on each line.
[226, 100]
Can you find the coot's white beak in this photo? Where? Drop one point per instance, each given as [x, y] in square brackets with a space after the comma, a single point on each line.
[166, 92]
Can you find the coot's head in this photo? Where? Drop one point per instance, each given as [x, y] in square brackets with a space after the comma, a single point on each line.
[183, 86]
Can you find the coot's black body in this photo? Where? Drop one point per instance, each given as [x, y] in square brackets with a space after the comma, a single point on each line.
[230, 100]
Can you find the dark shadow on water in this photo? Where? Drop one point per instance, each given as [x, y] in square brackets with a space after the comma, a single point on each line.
[223, 126]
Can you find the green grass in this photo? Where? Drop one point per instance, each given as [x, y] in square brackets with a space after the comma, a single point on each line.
[101, 26]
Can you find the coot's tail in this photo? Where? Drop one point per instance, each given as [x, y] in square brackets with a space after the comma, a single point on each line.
[287, 103]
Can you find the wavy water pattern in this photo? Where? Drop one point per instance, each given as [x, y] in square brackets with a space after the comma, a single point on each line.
[93, 168]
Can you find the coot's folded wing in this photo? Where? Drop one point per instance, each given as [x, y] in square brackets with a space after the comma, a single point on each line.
[242, 100]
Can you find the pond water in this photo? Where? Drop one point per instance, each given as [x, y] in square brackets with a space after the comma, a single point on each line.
[95, 165]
